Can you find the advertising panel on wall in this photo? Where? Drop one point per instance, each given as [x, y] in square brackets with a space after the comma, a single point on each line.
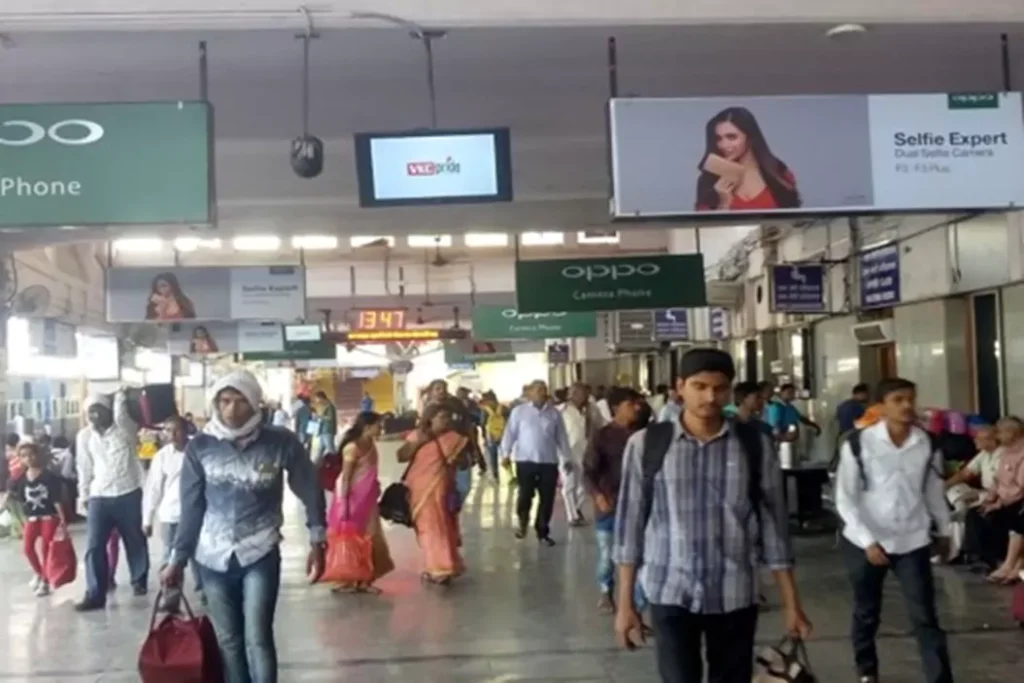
[505, 322]
[153, 294]
[610, 284]
[718, 323]
[434, 167]
[214, 337]
[103, 164]
[798, 289]
[880, 277]
[816, 154]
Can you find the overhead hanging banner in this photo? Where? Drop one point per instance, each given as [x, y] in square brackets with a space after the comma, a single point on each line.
[176, 294]
[718, 323]
[102, 164]
[204, 339]
[505, 322]
[469, 351]
[322, 350]
[816, 154]
[609, 284]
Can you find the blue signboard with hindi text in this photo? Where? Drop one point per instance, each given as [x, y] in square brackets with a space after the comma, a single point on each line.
[880, 277]
[798, 289]
[671, 324]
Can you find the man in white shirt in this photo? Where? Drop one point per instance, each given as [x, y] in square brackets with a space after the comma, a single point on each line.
[161, 500]
[579, 419]
[536, 434]
[890, 498]
[110, 484]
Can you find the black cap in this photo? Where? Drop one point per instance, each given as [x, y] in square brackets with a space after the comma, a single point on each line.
[706, 360]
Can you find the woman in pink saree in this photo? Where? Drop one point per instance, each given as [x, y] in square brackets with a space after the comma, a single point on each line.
[357, 491]
[433, 454]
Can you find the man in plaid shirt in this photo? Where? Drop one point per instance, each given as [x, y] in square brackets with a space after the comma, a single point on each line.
[698, 555]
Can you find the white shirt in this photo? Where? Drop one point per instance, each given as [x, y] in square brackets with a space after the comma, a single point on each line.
[162, 495]
[280, 418]
[899, 505]
[577, 430]
[985, 465]
[108, 464]
[604, 410]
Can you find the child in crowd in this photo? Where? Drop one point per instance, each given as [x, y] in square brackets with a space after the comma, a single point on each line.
[40, 491]
[161, 499]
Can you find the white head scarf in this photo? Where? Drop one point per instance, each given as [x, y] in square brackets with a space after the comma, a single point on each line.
[105, 400]
[245, 383]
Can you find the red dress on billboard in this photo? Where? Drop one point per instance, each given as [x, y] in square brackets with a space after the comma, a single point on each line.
[762, 201]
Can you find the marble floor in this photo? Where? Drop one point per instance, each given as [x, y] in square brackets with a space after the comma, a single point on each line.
[523, 613]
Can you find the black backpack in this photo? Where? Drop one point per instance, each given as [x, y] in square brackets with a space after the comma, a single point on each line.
[853, 439]
[658, 439]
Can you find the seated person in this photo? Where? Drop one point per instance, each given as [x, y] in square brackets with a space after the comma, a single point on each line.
[970, 483]
[998, 523]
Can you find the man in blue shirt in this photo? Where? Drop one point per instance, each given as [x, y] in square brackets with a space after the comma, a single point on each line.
[852, 409]
[536, 434]
[747, 406]
[784, 417]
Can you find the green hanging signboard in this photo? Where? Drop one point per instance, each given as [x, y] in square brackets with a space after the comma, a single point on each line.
[295, 350]
[505, 322]
[611, 284]
[105, 164]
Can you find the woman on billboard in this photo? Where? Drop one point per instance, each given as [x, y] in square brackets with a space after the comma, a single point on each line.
[167, 301]
[202, 342]
[739, 171]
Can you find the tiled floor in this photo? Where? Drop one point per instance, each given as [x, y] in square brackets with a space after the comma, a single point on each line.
[523, 613]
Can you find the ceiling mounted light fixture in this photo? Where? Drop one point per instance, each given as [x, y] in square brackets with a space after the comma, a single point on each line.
[315, 242]
[138, 245]
[846, 30]
[257, 243]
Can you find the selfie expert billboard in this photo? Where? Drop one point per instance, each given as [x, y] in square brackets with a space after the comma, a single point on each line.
[816, 154]
[175, 295]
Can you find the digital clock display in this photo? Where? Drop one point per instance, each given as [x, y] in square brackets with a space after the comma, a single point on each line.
[373, 319]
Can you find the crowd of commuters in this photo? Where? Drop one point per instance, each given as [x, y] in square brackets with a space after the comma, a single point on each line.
[685, 488]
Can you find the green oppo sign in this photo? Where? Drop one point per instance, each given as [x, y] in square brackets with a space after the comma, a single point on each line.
[505, 322]
[610, 284]
[101, 164]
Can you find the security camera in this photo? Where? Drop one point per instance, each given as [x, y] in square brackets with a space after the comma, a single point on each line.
[307, 156]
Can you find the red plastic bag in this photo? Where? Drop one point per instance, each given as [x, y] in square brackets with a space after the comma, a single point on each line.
[61, 563]
[349, 556]
[180, 650]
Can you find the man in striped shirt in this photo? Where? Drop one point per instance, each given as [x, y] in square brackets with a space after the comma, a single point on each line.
[698, 553]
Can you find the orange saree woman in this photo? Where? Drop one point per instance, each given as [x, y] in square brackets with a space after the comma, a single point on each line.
[431, 482]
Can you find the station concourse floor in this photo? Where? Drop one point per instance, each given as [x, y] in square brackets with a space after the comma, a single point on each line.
[522, 613]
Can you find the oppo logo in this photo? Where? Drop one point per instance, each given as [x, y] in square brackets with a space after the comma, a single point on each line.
[615, 272]
[72, 132]
[510, 313]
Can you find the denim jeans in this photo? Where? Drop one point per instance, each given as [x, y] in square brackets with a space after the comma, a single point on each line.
[492, 457]
[105, 515]
[605, 530]
[241, 603]
[463, 483]
[168, 532]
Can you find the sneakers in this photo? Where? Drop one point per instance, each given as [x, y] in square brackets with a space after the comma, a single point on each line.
[139, 590]
[868, 679]
[43, 589]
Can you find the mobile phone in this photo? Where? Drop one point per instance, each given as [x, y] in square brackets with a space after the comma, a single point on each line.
[721, 167]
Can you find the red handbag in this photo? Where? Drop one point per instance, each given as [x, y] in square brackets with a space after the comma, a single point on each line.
[61, 563]
[180, 650]
[330, 470]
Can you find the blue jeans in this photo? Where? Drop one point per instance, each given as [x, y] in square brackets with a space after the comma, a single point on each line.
[492, 457]
[605, 530]
[241, 603]
[463, 483]
[168, 532]
[123, 513]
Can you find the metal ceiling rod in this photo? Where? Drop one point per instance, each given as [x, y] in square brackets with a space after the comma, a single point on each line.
[306, 37]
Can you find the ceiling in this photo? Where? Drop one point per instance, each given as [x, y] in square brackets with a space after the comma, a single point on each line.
[548, 84]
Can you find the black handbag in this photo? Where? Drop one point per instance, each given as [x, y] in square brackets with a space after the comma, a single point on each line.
[787, 662]
[394, 503]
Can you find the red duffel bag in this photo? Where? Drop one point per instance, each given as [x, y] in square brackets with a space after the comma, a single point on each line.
[61, 563]
[180, 649]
